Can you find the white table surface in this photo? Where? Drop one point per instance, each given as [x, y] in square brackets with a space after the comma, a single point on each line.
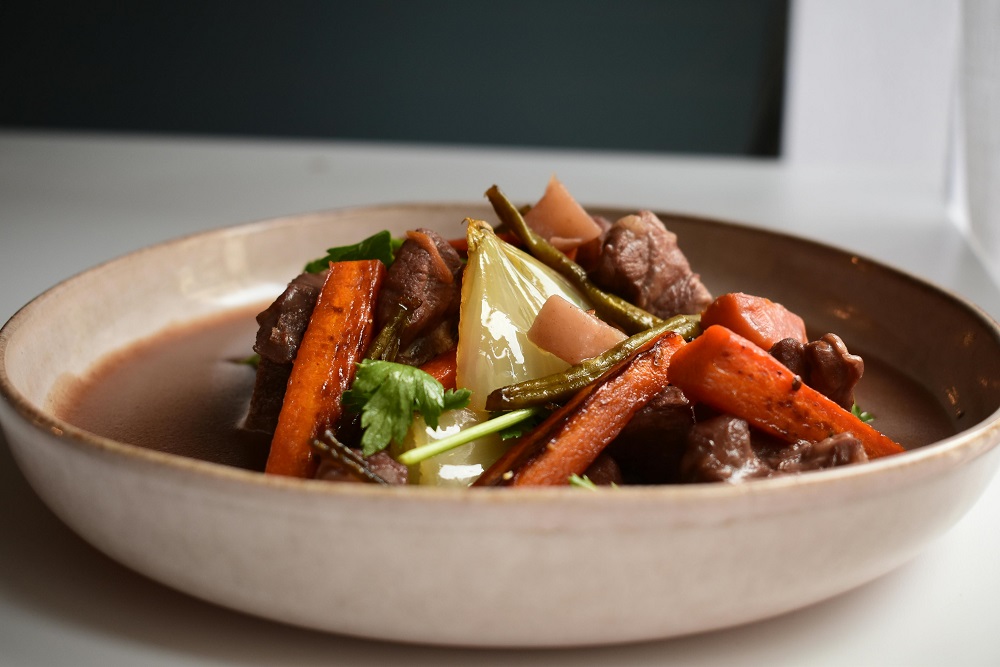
[68, 201]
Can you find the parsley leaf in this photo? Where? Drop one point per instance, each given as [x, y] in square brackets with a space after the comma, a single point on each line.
[864, 416]
[381, 246]
[387, 394]
[582, 482]
[585, 483]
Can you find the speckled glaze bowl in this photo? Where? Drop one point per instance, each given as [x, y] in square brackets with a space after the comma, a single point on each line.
[496, 567]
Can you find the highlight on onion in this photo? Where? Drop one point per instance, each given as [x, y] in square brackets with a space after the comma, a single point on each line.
[502, 291]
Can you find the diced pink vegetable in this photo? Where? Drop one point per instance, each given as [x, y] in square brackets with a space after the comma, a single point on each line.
[570, 333]
[560, 219]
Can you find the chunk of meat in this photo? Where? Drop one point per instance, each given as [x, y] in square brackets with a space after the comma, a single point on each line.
[649, 448]
[792, 354]
[833, 371]
[719, 450]
[268, 394]
[641, 262]
[604, 471]
[279, 334]
[426, 279]
[725, 449]
[571, 333]
[825, 365]
[802, 456]
[281, 326]
[589, 254]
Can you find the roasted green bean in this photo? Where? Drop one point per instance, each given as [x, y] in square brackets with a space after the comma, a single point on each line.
[385, 347]
[609, 307]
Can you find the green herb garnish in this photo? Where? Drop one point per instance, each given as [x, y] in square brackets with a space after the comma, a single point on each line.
[582, 482]
[866, 417]
[387, 395]
[381, 246]
[495, 425]
[585, 482]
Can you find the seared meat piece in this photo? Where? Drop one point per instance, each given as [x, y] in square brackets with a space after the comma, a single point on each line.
[426, 279]
[792, 354]
[604, 471]
[825, 365]
[649, 448]
[588, 254]
[640, 261]
[837, 450]
[718, 450]
[280, 332]
[268, 395]
[833, 371]
[285, 320]
[724, 449]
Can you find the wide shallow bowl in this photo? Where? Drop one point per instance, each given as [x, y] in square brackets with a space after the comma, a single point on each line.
[496, 567]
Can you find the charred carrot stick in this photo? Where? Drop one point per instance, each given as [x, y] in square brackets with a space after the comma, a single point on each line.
[729, 373]
[338, 334]
[574, 436]
[756, 318]
[442, 368]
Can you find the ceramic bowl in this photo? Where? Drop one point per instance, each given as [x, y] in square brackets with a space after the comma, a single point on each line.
[496, 567]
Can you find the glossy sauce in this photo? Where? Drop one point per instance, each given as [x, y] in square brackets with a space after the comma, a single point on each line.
[183, 392]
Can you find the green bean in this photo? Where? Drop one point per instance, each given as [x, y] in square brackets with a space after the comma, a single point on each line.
[385, 347]
[558, 387]
[609, 307]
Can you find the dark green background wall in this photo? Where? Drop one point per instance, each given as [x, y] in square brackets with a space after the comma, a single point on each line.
[701, 76]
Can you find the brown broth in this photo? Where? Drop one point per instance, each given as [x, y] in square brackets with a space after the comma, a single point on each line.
[182, 392]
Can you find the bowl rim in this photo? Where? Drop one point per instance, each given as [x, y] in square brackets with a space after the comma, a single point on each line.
[967, 444]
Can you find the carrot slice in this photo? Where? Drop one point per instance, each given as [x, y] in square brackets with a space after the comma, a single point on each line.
[733, 375]
[757, 319]
[573, 436]
[338, 334]
[442, 368]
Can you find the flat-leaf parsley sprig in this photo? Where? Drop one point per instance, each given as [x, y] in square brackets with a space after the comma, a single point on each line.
[381, 246]
[387, 395]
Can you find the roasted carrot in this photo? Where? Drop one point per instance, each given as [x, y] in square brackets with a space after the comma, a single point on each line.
[442, 368]
[733, 375]
[338, 334]
[757, 319]
[575, 435]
